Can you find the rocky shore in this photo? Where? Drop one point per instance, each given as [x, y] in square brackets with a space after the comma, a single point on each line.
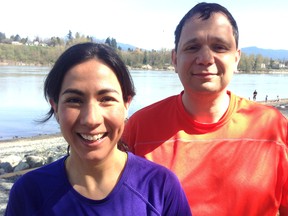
[21, 155]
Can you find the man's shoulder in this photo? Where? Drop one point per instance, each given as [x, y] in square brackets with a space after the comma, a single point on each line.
[258, 108]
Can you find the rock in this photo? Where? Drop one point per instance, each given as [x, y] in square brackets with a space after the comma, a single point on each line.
[8, 163]
[35, 161]
[6, 167]
[21, 166]
[12, 159]
[2, 171]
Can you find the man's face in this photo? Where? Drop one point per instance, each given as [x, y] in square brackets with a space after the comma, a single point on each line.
[207, 56]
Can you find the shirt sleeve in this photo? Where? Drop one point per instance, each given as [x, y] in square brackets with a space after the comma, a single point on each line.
[176, 203]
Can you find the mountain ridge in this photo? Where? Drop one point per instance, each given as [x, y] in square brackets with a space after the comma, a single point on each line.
[276, 54]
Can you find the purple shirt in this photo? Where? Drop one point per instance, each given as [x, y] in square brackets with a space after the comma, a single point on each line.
[144, 188]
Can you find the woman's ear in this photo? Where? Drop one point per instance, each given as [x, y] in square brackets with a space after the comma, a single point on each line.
[55, 108]
[127, 105]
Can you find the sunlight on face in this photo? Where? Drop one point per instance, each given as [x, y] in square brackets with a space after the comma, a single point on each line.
[91, 110]
[207, 55]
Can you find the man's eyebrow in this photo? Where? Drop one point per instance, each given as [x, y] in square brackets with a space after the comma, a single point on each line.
[193, 40]
[216, 38]
[221, 40]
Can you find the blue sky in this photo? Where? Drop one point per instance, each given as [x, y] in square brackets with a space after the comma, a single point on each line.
[148, 24]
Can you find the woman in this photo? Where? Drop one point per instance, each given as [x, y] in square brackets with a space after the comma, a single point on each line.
[90, 90]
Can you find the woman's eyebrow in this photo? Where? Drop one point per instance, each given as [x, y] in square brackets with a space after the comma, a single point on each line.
[73, 91]
[80, 93]
[108, 90]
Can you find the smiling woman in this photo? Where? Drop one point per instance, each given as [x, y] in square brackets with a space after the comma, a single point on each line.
[90, 90]
[91, 110]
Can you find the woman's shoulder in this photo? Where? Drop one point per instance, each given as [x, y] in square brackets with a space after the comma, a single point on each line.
[146, 168]
[42, 178]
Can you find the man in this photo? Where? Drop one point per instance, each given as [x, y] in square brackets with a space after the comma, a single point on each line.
[254, 95]
[229, 153]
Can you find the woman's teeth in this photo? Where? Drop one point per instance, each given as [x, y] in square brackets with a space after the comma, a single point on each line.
[92, 137]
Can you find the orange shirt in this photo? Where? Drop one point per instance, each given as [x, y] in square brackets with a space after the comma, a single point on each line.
[237, 166]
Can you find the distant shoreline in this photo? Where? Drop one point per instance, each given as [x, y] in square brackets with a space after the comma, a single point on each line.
[276, 103]
[145, 68]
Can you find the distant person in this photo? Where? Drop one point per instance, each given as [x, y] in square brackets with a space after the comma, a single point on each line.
[254, 95]
[90, 89]
[266, 98]
[278, 98]
[231, 152]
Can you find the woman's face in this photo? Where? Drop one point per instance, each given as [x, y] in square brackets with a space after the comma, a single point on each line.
[91, 110]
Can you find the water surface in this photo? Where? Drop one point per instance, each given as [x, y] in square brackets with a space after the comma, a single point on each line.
[23, 103]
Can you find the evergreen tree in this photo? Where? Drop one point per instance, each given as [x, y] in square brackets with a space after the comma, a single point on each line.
[17, 38]
[145, 58]
[69, 35]
[2, 37]
[108, 41]
[114, 43]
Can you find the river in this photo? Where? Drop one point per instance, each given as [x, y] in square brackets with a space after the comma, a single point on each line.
[23, 103]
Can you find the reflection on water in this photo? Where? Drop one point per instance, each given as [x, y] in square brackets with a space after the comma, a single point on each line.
[22, 100]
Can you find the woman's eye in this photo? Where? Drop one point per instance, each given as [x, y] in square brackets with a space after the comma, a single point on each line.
[73, 101]
[107, 99]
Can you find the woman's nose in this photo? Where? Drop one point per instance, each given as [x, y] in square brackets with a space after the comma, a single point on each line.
[91, 115]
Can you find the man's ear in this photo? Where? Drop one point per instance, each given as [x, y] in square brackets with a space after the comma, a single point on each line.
[237, 59]
[174, 59]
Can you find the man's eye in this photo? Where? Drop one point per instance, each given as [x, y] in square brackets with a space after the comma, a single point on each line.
[220, 48]
[192, 48]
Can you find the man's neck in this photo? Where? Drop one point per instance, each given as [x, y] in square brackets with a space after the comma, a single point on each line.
[206, 108]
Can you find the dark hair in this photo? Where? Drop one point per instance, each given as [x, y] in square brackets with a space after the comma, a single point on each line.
[205, 10]
[80, 53]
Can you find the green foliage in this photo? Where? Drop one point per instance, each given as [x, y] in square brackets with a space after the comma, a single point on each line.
[31, 55]
[47, 55]
[45, 52]
[252, 63]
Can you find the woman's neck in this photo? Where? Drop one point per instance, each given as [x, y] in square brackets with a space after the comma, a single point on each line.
[95, 181]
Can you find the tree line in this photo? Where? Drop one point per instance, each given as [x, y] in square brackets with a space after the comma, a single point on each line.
[17, 50]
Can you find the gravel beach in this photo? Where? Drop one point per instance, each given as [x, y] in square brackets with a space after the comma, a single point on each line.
[43, 145]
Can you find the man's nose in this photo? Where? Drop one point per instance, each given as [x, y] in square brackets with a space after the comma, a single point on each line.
[205, 56]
